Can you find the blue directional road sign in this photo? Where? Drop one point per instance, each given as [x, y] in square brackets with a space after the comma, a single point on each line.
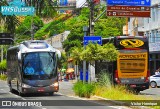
[129, 2]
[93, 39]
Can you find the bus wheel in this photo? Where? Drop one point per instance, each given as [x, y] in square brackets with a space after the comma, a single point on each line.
[10, 88]
[137, 91]
[153, 84]
[20, 94]
[51, 93]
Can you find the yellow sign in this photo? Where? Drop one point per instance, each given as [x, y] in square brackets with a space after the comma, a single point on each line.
[133, 65]
[131, 43]
[135, 56]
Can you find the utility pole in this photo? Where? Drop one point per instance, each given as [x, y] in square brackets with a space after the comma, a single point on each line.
[91, 19]
[32, 32]
[127, 26]
[91, 71]
[85, 29]
[2, 23]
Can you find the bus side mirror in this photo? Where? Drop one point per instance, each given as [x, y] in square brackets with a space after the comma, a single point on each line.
[19, 56]
[58, 53]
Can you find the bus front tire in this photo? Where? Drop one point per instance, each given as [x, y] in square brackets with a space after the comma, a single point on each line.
[20, 94]
[51, 93]
[10, 88]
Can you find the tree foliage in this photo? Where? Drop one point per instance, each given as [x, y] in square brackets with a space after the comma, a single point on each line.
[76, 54]
[62, 62]
[43, 8]
[104, 27]
[3, 65]
[57, 26]
[94, 52]
[24, 29]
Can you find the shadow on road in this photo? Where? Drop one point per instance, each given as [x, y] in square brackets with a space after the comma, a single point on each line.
[35, 94]
[145, 93]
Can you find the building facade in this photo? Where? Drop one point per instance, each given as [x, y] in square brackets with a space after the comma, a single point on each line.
[149, 27]
[56, 41]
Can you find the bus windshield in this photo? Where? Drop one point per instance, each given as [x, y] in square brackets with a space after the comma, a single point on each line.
[39, 65]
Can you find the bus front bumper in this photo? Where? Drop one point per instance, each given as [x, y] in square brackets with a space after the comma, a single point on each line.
[46, 89]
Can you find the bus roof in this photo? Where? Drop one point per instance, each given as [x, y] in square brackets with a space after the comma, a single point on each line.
[131, 37]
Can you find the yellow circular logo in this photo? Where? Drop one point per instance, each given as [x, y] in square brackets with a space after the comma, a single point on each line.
[131, 43]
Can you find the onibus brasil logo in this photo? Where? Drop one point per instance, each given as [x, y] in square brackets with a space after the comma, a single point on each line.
[17, 7]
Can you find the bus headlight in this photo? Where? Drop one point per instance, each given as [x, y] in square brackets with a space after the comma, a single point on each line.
[56, 84]
[26, 86]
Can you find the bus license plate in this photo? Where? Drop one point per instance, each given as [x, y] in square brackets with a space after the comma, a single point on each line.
[41, 89]
[125, 81]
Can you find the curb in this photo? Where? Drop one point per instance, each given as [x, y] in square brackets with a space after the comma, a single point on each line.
[104, 101]
[119, 103]
[107, 102]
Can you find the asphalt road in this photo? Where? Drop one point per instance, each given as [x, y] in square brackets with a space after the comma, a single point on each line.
[151, 92]
[61, 100]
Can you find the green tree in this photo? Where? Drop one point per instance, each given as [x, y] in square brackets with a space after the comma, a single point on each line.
[104, 27]
[62, 62]
[76, 54]
[24, 29]
[55, 27]
[3, 65]
[75, 25]
[94, 52]
[44, 8]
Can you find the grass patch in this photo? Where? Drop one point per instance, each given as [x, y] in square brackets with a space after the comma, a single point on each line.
[105, 89]
[117, 93]
[3, 77]
[83, 89]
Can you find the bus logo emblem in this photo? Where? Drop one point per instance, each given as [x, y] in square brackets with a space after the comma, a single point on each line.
[131, 43]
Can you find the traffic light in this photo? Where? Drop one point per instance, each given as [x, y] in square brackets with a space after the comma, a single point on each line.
[6, 38]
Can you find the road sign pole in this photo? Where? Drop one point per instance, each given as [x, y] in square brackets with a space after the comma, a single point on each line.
[91, 33]
[127, 26]
[91, 20]
[1, 53]
[85, 29]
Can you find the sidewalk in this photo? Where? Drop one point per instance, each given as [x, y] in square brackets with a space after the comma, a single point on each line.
[65, 87]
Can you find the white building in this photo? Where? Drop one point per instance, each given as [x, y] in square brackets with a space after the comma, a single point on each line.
[149, 27]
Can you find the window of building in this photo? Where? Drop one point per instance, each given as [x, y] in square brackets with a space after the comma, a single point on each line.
[157, 36]
[151, 39]
[156, 14]
[153, 14]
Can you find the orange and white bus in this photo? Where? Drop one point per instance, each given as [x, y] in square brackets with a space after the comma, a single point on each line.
[132, 65]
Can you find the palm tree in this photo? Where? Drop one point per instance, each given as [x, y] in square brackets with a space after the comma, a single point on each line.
[44, 8]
